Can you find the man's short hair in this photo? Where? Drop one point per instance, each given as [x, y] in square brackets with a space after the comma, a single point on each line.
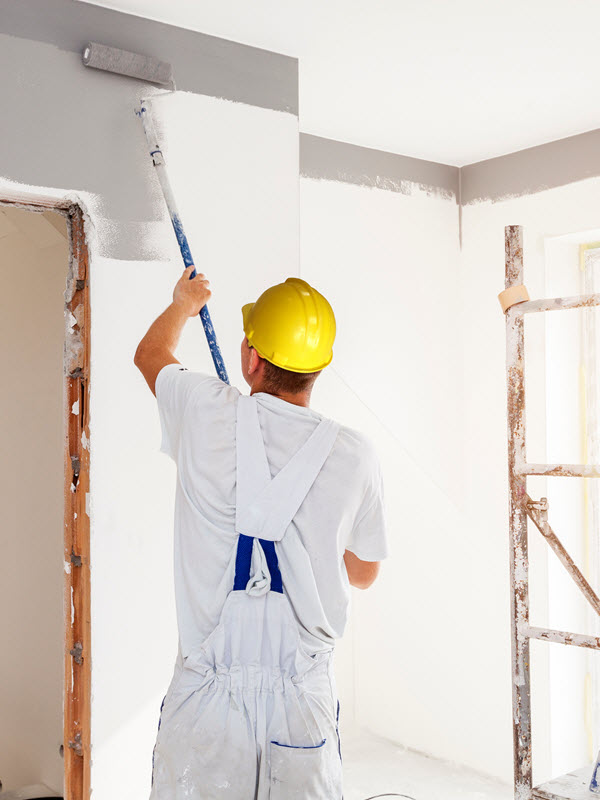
[277, 380]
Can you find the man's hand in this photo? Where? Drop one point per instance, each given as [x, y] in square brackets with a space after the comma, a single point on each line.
[191, 295]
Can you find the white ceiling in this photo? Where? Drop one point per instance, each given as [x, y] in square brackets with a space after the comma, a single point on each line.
[455, 81]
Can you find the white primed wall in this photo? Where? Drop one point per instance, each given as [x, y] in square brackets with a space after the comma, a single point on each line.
[389, 262]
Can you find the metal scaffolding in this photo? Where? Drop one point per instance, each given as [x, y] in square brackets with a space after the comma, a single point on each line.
[573, 786]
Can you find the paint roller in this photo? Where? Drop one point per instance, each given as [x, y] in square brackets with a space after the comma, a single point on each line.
[133, 65]
[151, 70]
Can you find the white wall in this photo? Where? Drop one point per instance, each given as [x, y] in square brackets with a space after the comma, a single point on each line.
[234, 170]
[389, 263]
[33, 269]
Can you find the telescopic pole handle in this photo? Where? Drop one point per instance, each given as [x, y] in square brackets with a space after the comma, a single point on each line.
[161, 170]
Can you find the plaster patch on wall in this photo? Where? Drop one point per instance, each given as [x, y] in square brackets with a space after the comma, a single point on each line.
[84, 441]
[67, 567]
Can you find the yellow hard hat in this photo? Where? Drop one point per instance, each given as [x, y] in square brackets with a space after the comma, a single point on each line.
[292, 326]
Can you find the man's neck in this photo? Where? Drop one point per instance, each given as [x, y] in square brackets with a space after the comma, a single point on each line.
[300, 399]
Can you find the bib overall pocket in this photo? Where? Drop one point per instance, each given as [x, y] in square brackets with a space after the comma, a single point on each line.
[299, 772]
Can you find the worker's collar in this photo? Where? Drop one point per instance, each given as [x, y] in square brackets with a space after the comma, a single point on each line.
[279, 402]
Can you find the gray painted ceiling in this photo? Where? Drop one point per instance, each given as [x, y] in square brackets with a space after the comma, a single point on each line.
[455, 82]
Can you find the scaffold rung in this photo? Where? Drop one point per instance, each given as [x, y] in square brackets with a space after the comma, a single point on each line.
[559, 470]
[555, 304]
[562, 637]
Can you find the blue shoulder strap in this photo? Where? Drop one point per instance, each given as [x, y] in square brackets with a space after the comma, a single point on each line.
[243, 562]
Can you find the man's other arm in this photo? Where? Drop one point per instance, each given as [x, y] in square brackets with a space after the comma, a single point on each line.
[360, 573]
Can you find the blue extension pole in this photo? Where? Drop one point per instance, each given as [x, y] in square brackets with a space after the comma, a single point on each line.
[158, 160]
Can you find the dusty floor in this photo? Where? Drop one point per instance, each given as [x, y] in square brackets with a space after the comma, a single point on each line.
[374, 766]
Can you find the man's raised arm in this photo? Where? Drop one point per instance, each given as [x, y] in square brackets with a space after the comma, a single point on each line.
[157, 348]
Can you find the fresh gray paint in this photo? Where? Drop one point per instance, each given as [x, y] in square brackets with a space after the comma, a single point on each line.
[201, 63]
[340, 161]
[532, 170]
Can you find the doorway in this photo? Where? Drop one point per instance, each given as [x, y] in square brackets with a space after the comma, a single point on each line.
[44, 525]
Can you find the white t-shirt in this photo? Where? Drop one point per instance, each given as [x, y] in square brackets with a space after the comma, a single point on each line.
[344, 508]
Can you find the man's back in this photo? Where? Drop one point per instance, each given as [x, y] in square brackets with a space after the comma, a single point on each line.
[343, 509]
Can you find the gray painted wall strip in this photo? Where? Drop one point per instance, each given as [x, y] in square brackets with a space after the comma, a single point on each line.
[339, 161]
[201, 63]
[523, 172]
[532, 170]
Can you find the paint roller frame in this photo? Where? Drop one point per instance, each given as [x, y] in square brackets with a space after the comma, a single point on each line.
[151, 70]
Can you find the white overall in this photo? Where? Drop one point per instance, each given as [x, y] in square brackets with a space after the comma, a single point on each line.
[249, 713]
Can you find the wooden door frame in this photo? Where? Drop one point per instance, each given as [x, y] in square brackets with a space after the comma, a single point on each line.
[77, 622]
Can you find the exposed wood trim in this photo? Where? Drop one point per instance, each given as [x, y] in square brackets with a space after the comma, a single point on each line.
[77, 523]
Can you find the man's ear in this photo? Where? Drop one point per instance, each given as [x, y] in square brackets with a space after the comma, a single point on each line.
[254, 362]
